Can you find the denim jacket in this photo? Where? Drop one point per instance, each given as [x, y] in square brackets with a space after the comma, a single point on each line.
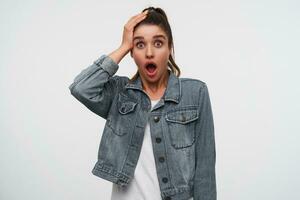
[181, 124]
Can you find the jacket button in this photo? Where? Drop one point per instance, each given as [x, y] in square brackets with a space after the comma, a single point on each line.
[168, 198]
[158, 140]
[161, 159]
[156, 119]
[164, 179]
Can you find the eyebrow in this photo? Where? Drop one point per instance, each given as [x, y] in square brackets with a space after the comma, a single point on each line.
[156, 36]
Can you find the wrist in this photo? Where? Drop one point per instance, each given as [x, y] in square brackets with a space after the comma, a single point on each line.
[124, 48]
[119, 54]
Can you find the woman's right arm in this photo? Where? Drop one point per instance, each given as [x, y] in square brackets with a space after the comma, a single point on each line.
[96, 86]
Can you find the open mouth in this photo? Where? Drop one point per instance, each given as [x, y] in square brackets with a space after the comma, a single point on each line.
[151, 68]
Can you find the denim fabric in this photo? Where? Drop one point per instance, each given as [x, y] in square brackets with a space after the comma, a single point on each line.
[181, 124]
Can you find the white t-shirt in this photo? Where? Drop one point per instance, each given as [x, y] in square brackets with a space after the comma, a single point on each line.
[144, 185]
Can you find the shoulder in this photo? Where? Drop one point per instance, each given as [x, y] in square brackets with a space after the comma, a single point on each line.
[192, 82]
[192, 88]
[120, 80]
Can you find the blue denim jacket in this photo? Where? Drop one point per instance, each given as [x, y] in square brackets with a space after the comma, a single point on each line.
[181, 124]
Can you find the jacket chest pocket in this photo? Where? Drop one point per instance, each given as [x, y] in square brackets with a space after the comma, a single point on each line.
[182, 125]
[122, 119]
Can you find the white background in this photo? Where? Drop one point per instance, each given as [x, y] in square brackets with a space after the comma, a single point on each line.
[246, 51]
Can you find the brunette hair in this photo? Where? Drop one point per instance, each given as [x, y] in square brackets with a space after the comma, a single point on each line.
[156, 16]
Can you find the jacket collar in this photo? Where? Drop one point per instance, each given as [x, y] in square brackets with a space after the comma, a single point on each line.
[172, 93]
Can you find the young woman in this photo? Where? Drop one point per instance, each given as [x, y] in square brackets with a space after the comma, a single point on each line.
[158, 141]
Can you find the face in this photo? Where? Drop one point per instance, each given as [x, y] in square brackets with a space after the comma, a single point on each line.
[150, 52]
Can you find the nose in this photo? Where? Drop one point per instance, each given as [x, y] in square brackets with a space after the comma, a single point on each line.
[149, 52]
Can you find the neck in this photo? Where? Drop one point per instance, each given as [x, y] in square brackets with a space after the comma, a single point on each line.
[156, 90]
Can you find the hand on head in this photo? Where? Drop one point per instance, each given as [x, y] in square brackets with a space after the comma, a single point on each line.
[127, 40]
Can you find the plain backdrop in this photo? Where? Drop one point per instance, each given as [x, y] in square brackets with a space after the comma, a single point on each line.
[246, 51]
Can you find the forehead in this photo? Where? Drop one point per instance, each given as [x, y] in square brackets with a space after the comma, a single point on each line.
[148, 31]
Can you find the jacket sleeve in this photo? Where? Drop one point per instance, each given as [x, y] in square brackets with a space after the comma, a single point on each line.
[96, 85]
[205, 180]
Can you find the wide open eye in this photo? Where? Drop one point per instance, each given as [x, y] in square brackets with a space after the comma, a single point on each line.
[158, 43]
[139, 45]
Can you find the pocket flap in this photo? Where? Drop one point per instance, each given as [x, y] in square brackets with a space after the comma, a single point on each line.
[125, 105]
[182, 116]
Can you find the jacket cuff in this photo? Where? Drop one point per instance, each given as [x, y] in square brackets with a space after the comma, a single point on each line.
[107, 64]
